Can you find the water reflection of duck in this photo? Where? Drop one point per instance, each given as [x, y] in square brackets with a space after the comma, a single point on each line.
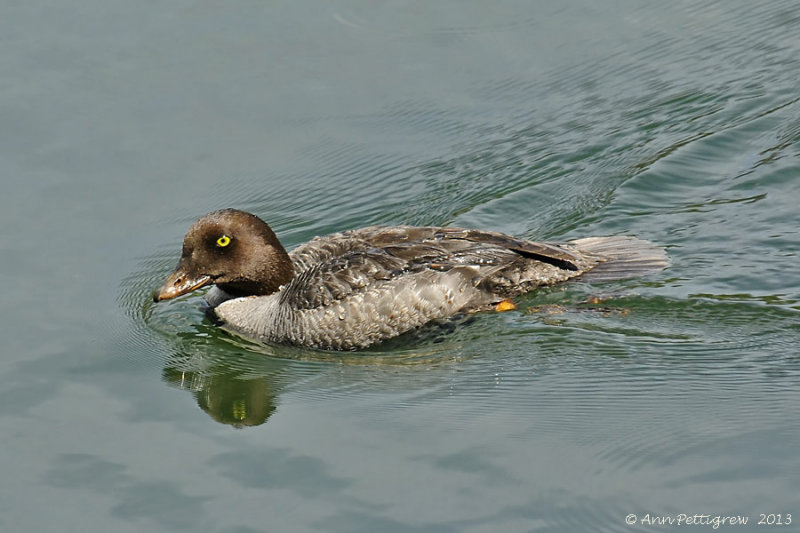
[225, 395]
[352, 289]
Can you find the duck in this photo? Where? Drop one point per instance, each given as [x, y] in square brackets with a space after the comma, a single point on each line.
[356, 288]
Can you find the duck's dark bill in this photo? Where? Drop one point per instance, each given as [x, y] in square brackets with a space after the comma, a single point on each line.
[179, 283]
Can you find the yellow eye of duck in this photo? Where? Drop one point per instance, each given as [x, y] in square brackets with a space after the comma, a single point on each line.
[223, 241]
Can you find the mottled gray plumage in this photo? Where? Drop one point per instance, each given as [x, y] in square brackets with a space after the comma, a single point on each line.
[352, 289]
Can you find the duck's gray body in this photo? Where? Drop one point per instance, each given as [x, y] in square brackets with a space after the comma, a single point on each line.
[356, 288]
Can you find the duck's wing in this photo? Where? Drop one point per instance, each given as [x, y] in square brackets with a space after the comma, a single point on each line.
[332, 268]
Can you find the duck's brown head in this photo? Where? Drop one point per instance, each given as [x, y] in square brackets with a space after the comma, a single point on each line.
[236, 251]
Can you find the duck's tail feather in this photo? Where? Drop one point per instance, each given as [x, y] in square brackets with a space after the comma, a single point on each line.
[621, 257]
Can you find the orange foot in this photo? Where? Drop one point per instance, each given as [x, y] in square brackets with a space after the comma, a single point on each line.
[504, 305]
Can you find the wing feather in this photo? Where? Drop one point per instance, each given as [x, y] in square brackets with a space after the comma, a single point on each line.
[334, 267]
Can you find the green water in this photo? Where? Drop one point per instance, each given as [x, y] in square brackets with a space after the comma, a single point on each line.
[678, 122]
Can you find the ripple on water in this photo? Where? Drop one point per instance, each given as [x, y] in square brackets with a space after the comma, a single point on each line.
[715, 354]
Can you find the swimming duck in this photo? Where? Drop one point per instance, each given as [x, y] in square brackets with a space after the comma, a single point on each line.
[352, 289]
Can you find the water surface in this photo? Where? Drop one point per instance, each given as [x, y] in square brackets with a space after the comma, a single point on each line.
[120, 123]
